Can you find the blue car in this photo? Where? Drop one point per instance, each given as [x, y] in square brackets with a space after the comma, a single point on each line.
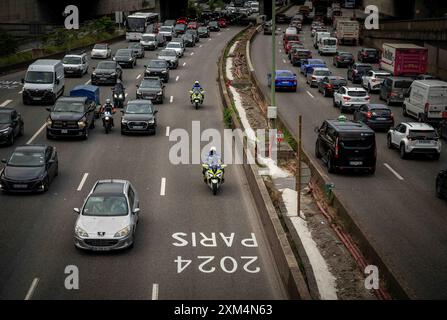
[284, 79]
[309, 64]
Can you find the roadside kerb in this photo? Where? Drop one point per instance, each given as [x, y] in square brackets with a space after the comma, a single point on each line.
[395, 285]
[284, 257]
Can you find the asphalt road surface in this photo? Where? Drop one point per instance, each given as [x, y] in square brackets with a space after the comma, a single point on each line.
[396, 207]
[36, 232]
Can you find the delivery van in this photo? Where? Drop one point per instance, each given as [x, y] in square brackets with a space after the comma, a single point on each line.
[404, 59]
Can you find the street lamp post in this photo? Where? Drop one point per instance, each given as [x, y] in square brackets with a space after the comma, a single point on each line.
[273, 92]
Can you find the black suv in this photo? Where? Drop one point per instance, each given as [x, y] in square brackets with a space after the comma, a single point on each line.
[107, 72]
[157, 68]
[71, 117]
[125, 57]
[441, 184]
[11, 125]
[139, 117]
[344, 144]
[357, 70]
[368, 55]
[151, 88]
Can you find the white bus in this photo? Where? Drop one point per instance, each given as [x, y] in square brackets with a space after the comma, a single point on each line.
[139, 23]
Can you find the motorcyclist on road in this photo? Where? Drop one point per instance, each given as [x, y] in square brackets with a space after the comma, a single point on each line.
[197, 88]
[213, 159]
[108, 109]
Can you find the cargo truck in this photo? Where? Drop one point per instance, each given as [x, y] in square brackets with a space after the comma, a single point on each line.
[404, 59]
[347, 31]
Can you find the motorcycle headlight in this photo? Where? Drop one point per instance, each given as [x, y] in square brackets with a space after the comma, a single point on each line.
[81, 232]
[81, 124]
[121, 96]
[123, 232]
[152, 121]
[219, 175]
[49, 122]
[115, 96]
[107, 118]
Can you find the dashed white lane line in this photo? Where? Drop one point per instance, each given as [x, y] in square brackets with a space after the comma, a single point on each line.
[155, 291]
[163, 187]
[171, 99]
[4, 104]
[184, 63]
[139, 76]
[81, 184]
[126, 95]
[209, 39]
[284, 61]
[201, 46]
[36, 134]
[168, 129]
[219, 34]
[280, 51]
[21, 91]
[176, 78]
[88, 82]
[192, 53]
[310, 94]
[398, 176]
[31, 290]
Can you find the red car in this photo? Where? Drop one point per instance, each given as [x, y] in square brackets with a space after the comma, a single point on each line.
[222, 23]
[289, 37]
[192, 25]
[182, 20]
[290, 44]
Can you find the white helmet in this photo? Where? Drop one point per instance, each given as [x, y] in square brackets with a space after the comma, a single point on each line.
[213, 150]
[108, 101]
[197, 82]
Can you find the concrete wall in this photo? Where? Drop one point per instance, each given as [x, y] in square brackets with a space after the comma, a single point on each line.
[108, 6]
[18, 11]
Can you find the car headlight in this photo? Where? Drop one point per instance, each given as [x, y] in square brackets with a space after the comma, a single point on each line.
[124, 121]
[81, 232]
[113, 74]
[123, 232]
[130, 59]
[160, 93]
[49, 122]
[152, 121]
[81, 124]
[94, 74]
[4, 130]
[164, 71]
[115, 96]
[121, 96]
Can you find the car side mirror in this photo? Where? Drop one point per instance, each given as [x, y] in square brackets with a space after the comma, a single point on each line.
[51, 161]
[137, 210]
[94, 68]
[76, 210]
[137, 86]
[4, 161]
[48, 109]
[58, 81]
[156, 111]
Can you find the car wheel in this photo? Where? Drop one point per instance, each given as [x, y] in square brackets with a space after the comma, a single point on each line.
[404, 111]
[389, 144]
[436, 156]
[372, 170]
[46, 184]
[330, 165]
[439, 193]
[402, 152]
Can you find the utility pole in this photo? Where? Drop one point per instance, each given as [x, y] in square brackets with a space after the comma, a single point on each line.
[298, 171]
[273, 89]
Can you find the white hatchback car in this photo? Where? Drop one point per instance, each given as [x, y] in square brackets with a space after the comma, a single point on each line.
[372, 80]
[350, 98]
[101, 51]
[414, 138]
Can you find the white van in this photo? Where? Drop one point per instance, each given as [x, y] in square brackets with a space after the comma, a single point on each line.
[327, 45]
[318, 35]
[44, 82]
[426, 101]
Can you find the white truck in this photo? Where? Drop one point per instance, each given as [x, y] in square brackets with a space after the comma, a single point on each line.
[426, 101]
[347, 31]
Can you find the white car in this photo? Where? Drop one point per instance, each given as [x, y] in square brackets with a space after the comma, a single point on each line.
[75, 64]
[149, 41]
[102, 51]
[177, 47]
[414, 138]
[373, 79]
[350, 98]
[317, 74]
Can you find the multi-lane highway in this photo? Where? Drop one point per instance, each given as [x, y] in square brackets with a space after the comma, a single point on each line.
[396, 207]
[36, 231]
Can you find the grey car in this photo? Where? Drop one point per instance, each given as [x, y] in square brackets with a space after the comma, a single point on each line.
[139, 116]
[151, 88]
[75, 64]
[394, 89]
[125, 57]
[137, 49]
[157, 68]
[189, 40]
[194, 33]
[107, 72]
[108, 218]
[170, 56]
[204, 32]
[316, 75]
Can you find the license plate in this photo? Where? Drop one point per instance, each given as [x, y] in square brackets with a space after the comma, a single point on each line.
[355, 163]
[20, 186]
[138, 127]
[424, 141]
[69, 71]
[103, 79]
[100, 248]
[381, 119]
[64, 131]
[285, 82]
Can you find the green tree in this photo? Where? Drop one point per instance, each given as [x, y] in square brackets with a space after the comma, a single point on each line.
[8, 44]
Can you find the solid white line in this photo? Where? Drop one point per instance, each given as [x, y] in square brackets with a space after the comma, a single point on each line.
[168, 129]
[84, 178]
[310, 94]
[31, 290]
[36, 134]
[176, 79]
[184, 63]
[163, 187]
[155, 291]
[171, 100]
[4, 104]
[139, 76]
[88, 82]
[398, 176]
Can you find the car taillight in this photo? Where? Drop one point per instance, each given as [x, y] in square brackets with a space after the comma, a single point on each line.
[367, 98]
[369, 114]
[392, 115]
[314, 78]
[393, 94]
[355, 71]
[347, 98]
[427, 106]
[329, 86]
[336, 149]
[364, 54]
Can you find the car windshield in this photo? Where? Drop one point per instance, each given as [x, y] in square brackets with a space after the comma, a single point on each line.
[339, 82]
[364, 68]
[123, 53]
[284, 75]
[371, 51]
[106, 65]
[322, 73]
[25, 158]
[148, 38]
[68, 106]
[180, 27]
[403, 84]
[380, 112]
[5, 118]
[150, 83]
[134, 46]
[106, 206]
[330, 42]
[203, 29]
[157, 64]
[165, 29]
[362, 140]
[345, 55]
[100, 47]
[213, 23]
[174, 45]
[382, 75]
[169, 53]
[39, 77]
[317, 61]
[357, 93]
[71, 60]
[423, 134]
[138, 109]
